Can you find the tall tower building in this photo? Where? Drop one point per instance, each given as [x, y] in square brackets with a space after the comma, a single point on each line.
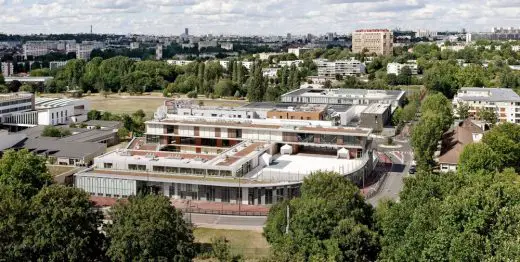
[158, 52]
[379, 41]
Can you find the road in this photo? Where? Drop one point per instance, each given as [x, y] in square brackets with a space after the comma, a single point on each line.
[401, 159]
[255, 223]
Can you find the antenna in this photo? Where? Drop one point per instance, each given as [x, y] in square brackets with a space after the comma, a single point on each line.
[90, 29]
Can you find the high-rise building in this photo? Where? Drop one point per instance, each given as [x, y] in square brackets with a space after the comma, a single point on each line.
[7, 69]
[186, 32]
[158, 52]
[84, 49]
[379, 41]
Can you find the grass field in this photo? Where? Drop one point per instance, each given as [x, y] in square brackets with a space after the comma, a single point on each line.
[250, 244]
[56, 170]
[148, 102]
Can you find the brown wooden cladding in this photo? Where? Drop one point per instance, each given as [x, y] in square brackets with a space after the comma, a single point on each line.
[217, 132]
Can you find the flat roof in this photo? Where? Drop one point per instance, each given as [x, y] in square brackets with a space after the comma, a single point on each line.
[376, 108]
[52, 102]
[285, 125]
[489, 94]
[104, 123]
[78, 134]
[347, 93]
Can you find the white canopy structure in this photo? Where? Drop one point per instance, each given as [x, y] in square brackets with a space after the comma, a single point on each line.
[343, 153]
[286, 150]
[266, 159]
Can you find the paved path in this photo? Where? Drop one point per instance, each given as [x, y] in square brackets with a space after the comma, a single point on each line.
[255, 223]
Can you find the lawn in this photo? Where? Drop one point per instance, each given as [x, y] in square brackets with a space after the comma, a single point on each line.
[125, 103]
[56, 170]
[250, 244]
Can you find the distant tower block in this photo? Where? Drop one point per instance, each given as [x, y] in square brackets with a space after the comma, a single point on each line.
[158, 52]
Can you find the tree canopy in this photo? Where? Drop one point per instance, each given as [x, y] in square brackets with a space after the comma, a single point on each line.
[148, 228]
[330, 221]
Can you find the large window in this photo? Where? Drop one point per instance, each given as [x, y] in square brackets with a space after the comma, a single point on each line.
[136, 167]
[152, 139]
[350, 140]
[268, 196]
[107, 165]
[328, 139]
[305, 138]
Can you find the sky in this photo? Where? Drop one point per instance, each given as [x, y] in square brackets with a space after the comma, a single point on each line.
[252, 17]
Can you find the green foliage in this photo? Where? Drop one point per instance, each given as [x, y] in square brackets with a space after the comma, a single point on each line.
[52, 131]
[330, 221]
[462, 110]
[504, 140]
[24, 172]
[441, 106]
[14, 220]
[452, 217]
[442, 77]
[224, 87]
[425, 137]
[64, 226]
[137, 82]
[477, 157]
[41, 72]
[148, 228]
[489, 115]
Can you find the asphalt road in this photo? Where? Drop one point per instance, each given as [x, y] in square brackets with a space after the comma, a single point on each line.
[393, 184]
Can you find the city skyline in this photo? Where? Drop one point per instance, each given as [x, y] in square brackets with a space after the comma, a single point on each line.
[271, 17]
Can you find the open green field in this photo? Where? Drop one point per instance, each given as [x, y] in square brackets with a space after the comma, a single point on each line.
[250, 244]
[412, 89]
[125, 103]
[56, 170]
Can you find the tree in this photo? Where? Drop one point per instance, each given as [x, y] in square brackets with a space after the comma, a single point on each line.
[94, 115]
[488, 115]
[452, 218]
[14, 86]
[27, 88]
[477, 157]
[137, 82]
[256, 88]
[224, 87]
[405, 76]
[14, 219]
[425, 137]
[504, 140]
[462, 110]
[442, 77]
[327, 84]
[2, 80]
[24, 172]
[397, 117]
[123, 133]
[330, 221]
[441, 106]
[148, 228]
[472, 76]
[64, 226]
[51, 131]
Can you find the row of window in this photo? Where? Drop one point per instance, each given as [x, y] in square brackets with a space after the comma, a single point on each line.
[15, 102]
[15, 109]
[176, 170]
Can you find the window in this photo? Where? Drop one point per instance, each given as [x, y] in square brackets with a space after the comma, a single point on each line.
[158, 168]
[238, 133]
[136, 167]
[107, 165]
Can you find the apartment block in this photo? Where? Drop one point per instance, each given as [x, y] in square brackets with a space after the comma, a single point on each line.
[7, 69]
[57, 64]
[504, 101]
[395, 68]
[379, 41]
[340, 68]
[84, 49]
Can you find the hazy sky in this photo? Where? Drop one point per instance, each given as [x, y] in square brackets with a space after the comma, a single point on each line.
[266, 17]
